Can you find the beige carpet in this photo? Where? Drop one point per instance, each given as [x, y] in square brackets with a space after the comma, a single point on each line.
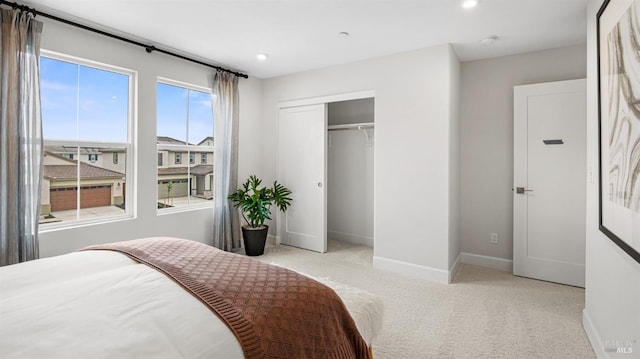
[483, 314]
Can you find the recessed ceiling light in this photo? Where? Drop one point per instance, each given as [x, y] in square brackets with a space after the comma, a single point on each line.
[489, 40]
[468, 4]
[262, 57]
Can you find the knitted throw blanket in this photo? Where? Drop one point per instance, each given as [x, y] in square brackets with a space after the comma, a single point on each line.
[274, 312]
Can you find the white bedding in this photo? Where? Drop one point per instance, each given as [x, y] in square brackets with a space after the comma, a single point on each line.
[102, 304]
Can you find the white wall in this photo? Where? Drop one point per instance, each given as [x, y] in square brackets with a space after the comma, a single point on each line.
[412, 149]
[612, 297]
[487, 140]
[350, 174]
[195, 224]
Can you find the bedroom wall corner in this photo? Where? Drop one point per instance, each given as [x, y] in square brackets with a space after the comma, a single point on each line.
[251, 151]
[454, 163]
[486, 137]
[412, 114]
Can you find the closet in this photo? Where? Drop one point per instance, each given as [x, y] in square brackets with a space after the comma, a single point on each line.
[325, 156]
[350, 171]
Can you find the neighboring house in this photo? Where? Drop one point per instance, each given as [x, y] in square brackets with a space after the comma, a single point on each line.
[91, 155]
[98, 186]
[208, 141]
[113, 159]
[185, 170]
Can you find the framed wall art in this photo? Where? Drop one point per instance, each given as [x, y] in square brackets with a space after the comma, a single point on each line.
[618, 27]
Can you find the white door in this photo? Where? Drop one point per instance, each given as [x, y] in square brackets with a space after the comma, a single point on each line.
[549, 194]
[302, 138]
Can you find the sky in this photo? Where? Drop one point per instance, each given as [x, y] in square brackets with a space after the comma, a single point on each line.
[88, 104]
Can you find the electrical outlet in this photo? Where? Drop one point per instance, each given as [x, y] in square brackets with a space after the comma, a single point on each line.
[494, 238]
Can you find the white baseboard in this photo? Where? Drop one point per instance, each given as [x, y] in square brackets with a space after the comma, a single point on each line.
[455, 267]
[501, 264]
[351, 238]
[412, 270]
[594, 337]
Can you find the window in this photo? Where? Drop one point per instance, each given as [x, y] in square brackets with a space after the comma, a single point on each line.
[184, 125]
[160, 159]
[86, 111]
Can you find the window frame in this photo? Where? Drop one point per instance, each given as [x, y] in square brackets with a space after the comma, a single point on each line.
[130, 177]
[184, 149]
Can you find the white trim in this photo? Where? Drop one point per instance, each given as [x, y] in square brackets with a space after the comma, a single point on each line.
[327, 99]
[455, 267]
[501, 264]
[593, 336]
[75, 60]
[411, 269]
[185, 85]
[79, 223]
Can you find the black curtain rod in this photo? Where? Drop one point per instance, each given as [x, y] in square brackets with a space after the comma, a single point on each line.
[148, 48]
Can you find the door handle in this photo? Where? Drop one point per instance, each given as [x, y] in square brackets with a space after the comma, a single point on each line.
[521, 190]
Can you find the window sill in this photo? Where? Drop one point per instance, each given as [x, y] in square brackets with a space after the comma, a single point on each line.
[62, 226]
[188, 208]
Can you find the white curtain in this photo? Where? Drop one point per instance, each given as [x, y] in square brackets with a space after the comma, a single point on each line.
[226, 222]
[20, 136]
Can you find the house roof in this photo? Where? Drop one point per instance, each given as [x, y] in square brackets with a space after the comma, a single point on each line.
[83, 150]
[195, 170]
[87, 150]
[70, 171]
[205, 140]
[164, 140]
[73, 149]
[202, 169]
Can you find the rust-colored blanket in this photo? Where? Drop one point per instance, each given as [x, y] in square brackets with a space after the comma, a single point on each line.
[274, 312]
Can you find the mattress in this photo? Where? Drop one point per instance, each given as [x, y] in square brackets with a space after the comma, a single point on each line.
[103, 304]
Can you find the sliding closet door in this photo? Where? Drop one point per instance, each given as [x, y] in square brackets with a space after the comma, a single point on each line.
[302, 152]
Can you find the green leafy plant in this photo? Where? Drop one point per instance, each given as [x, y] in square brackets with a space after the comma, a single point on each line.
[255, 201]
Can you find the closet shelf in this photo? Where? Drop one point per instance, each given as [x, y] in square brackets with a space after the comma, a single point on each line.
[352, 126]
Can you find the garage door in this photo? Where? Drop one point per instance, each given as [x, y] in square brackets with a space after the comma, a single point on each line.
[63, 199]
[180, 188]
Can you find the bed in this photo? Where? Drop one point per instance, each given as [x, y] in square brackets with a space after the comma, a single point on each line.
[133, 300]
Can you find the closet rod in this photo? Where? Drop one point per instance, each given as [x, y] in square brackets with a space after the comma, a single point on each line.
[352, 126]
[148, 48]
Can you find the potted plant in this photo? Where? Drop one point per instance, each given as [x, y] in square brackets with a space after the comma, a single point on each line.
[254, 203]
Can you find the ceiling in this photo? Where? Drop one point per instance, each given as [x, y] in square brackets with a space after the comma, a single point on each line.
[300, 35]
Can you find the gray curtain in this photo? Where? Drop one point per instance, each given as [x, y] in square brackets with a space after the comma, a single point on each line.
[226, 222]
[20, 136]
